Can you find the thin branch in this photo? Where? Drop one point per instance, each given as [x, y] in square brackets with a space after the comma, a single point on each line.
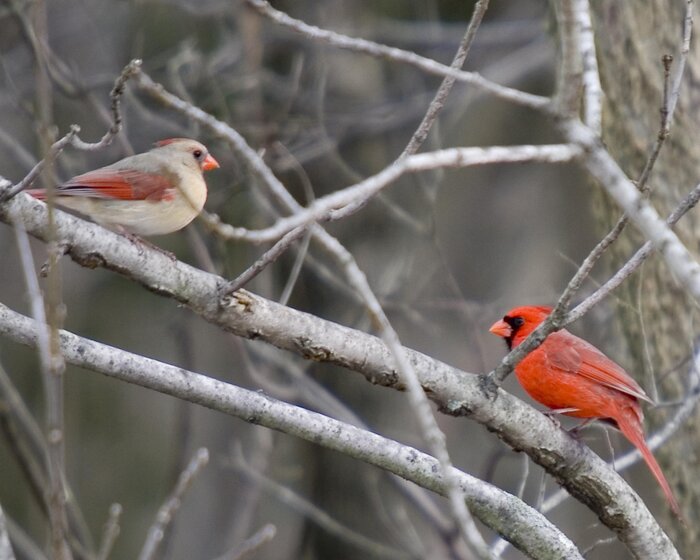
[435, 107]
[319, 517]
[322, 208]
[267, 258]
[296, 268]
[252, 544]
[24, 545]
[110, 532]
[171, 506]
[115, 96]
[56, 148]
[398, 55]
[71, 137]
[671, 93]
[634, 262]
[420, 404]
[685, 50]
[438, 102]
[52, 366]
[28, 444]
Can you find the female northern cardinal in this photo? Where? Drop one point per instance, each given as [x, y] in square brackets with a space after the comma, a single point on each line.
[153, 193]
[572, 377]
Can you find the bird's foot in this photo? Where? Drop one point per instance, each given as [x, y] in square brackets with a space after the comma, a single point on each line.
[575, 432]
[140, 243]
[554, 414]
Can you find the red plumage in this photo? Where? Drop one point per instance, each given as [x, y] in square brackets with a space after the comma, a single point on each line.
[569, 375]
[120, 184]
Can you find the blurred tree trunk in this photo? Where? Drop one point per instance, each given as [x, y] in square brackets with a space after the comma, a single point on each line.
[656, 317]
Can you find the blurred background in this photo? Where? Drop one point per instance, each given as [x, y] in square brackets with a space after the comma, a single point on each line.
[446, 252]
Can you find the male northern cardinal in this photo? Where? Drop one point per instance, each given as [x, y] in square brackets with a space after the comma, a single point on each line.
[153, 193]
[573, 377]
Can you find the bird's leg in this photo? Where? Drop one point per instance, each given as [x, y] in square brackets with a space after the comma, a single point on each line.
[575, 432]
[553, 413]
[140, 242]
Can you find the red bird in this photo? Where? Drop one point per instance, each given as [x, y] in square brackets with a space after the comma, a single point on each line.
[572, 377]
[154, 193]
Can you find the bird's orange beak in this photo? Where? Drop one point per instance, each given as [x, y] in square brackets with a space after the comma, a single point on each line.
[502, 329]
[209, 163]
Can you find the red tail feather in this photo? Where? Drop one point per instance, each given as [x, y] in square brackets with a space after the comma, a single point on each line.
[632, 430]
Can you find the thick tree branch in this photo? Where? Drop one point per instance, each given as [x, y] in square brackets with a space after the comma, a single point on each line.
[398, 55]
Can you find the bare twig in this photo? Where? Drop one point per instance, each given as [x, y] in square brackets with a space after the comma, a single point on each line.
[398, 55]
[115, 96]
[670, 96]
[316, 515]
[685, 49]
[420, 403]
[52, 367]
[56, 148]
[322, 208]
[110, 532]
[634, 262]
[420, 135]
[71, 137]
[252, 544]
[28, 444]
[23, 544]
[296, 268]
[267, 258]
[171, 506]
[438, 102]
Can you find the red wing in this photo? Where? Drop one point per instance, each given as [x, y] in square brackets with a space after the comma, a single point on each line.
[574, 355]
[121, 184]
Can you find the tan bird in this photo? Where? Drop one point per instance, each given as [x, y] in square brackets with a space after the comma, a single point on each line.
[154, 193]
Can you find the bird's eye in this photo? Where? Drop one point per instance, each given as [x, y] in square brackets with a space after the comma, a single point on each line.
[197, 154]
[517, 322]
